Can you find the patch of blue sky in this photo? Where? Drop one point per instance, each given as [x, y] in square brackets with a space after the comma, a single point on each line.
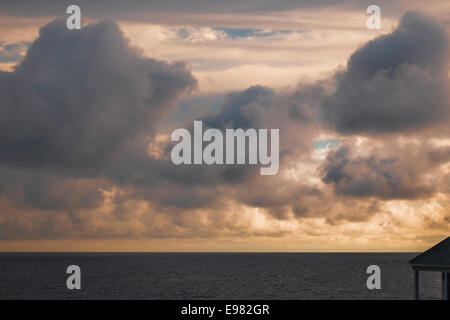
[183, 33]
[326, 144]
[268, 33]
[237, 33]
[245, 33]
[11, 52]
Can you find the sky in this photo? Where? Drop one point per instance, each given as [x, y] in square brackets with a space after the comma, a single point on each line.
[86, 117]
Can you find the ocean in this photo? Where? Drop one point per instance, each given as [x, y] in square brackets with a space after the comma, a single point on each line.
[211, 276]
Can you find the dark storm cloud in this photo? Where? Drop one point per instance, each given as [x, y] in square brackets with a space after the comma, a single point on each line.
[397, 82]
[291, 111]
[255, 107]
[280, 199]
[78, 96]
[232, 113]
[418, 40]
[384, 176]
[48, 191]
[259, 106]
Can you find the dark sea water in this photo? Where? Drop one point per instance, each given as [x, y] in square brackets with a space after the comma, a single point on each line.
[211, 276]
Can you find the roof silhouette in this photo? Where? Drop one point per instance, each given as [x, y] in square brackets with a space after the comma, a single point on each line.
[439, 255]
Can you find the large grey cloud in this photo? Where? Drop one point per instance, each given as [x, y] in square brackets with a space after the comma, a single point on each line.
[78, 96]
[50, 191]
[395, 83]
[255, 107]
[385, 174]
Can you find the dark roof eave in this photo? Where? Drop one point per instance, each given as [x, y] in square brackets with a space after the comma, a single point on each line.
[433, 255]
[430, 267]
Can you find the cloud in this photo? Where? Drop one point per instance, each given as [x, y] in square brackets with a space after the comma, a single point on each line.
[79, 96]
[384, 173]
[395, 83]
[46, 191]
[238, 110]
